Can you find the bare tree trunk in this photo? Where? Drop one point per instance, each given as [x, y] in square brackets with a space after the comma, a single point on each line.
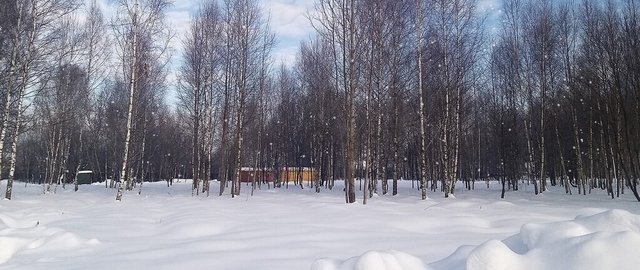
[543, 178]
[65, 158]
[396, 146]
[351, 87]
[603, 143]
[564, 176]
[365, 190]
[380, 168]
[195, 155]
[423, 137]
[223, 171]
[578, 152]
[530, 172]
[446, 145]
[9, 90]
[143, 144]
[132, 89]
[19, 97]
[458, 131]
[209, 143]
[235, 185]
[14, 149]
[75, 178]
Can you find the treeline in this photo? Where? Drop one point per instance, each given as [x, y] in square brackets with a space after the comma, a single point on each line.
[546, 94]
[85, 92]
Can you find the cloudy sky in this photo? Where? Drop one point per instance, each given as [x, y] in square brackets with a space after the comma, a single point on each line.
[290, 23]
[288, 20]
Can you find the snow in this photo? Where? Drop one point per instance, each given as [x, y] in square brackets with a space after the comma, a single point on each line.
[608, 240]
[167, 228]
[373, 260]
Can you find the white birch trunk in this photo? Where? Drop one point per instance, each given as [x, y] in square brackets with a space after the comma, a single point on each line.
[132, 90]
[423, 139]
[14, 149]
[9, 89]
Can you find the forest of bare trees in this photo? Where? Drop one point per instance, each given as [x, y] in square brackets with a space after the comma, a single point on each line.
[428, 91]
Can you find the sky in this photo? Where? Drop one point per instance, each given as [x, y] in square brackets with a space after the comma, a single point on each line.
[288, 20]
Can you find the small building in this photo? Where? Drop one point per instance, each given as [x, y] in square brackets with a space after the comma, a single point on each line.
[287, 174]
[291, 174]
[85, 177]
[247, 175]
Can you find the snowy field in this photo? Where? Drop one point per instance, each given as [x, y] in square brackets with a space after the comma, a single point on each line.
[166, 228]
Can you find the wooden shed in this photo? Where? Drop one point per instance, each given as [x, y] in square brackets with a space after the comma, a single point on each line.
[287, 174]
[248, 174]
[85, 177]
[294, 173]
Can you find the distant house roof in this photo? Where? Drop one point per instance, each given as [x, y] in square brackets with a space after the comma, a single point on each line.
[250, 169]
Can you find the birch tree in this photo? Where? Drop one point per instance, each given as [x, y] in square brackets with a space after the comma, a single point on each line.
[201, 85]
[246, 37]
[421, 102]
[138, 22]
[94, 54]
[336, 22]
[453, 48]
[30, 36]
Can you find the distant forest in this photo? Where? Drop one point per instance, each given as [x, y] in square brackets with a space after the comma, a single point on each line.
[546, 94]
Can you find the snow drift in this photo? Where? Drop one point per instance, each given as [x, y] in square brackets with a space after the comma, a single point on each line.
[609, 240]
[19, 236]
[373, 260]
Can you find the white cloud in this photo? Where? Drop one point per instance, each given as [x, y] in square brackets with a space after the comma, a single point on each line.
[179, 21]
[492, 9]
[288, 19]
[285, 55]
[489, 6]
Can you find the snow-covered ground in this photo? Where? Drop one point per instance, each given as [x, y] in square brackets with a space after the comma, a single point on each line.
[167, 228]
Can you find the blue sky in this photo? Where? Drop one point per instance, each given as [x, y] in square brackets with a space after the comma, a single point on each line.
[288, 20]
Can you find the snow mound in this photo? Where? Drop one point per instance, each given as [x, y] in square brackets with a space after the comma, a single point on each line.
[15, 239]
[609, 240]
[373, 260]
